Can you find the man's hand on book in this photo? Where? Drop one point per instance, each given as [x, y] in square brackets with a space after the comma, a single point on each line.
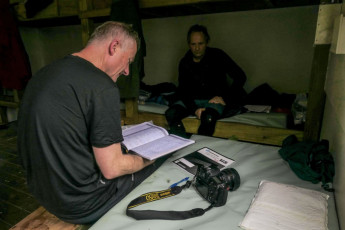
[114, 163]
[148, 162]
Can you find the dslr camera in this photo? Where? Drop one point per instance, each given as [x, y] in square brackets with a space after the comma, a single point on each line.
[213, 185]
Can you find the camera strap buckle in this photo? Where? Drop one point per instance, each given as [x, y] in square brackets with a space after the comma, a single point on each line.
[164, 215]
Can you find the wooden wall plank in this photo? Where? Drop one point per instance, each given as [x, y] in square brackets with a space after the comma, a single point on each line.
[10, 215]
[13, 169]
[164, 3]
[15, 204]
[13, 181]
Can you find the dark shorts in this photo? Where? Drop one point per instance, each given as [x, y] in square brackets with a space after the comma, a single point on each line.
[125, 184]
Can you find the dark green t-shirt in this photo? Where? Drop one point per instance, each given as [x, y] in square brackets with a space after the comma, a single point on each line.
[68, 107]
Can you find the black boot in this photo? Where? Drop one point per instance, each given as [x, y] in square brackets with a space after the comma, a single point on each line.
[178, 129]
[208, 120]
[174, 116]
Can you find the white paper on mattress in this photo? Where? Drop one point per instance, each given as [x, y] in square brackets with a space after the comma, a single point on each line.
[286, 207]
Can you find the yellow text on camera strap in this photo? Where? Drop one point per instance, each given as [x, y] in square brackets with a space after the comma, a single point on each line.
[153, 196]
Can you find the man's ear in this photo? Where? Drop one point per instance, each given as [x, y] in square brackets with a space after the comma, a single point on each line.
[113, 46]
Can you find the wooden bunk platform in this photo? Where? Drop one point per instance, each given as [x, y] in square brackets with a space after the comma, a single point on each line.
[228, 130]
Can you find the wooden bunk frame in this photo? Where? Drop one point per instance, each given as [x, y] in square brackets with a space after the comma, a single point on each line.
[87, 13]
[229, 130]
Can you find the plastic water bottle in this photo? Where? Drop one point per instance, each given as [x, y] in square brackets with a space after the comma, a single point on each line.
[299, 108]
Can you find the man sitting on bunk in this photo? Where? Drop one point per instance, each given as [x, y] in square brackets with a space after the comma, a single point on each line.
[203, 89]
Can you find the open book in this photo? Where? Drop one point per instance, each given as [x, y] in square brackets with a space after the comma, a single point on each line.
[151, 141]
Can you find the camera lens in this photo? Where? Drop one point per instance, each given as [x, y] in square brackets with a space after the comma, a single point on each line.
[231, 178]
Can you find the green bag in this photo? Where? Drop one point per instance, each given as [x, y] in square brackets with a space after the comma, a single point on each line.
[311, 161]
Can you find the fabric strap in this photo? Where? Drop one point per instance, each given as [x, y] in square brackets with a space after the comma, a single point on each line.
[165, 215]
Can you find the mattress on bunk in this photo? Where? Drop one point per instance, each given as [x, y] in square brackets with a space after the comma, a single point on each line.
[276, 120]
[255, 163]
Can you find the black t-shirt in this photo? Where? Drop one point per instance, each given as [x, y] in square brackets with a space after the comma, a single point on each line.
[68, 107]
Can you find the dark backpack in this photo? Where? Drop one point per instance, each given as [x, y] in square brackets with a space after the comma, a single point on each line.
[310, 160]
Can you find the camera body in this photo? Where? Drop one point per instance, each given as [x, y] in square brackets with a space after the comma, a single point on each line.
[213, 185]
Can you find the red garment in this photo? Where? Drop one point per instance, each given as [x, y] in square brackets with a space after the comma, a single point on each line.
[15, 69]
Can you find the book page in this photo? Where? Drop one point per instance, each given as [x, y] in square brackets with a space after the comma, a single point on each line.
[162, 146]
[141, 134]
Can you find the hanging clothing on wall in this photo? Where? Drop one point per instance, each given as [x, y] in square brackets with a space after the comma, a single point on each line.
[15, 69]
[127, 11]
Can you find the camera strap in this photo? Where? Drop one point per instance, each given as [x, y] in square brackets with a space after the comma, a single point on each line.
[164, 215]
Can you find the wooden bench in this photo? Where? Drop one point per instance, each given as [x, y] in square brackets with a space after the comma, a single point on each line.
[42, 219]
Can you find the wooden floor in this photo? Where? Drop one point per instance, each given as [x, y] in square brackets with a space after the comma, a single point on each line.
[15, 200]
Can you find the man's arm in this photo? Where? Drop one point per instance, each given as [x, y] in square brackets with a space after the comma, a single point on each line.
[113, 163]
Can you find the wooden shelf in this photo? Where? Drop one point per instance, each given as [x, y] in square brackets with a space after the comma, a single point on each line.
[94, 13]
[165, 3]
[58, 9]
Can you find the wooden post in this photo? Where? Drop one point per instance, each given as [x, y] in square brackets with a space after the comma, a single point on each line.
[86, 23]
[317, 95]
[131, 107]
